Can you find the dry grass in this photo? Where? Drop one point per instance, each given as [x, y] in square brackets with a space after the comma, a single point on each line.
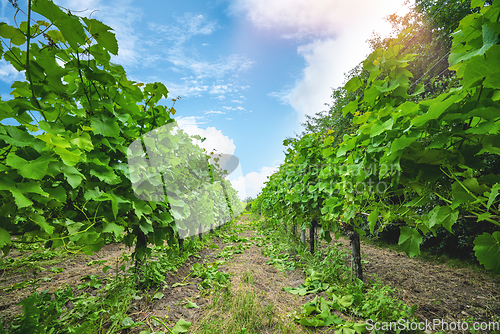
[254, 301]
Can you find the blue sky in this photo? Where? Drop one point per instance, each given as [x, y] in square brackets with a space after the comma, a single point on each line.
[247, 71]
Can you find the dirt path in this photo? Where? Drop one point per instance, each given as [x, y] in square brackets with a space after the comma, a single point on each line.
[249, 274]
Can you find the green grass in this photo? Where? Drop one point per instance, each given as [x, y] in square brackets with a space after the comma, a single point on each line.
[241, 312]
[247, 278]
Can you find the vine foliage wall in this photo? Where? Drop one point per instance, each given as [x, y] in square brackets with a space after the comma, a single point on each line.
[404, 154]
[63, 169]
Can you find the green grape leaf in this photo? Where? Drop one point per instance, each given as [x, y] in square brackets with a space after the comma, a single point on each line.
[34, 169]
[353, 84]
[490, 38]
[141, 208]
[40, 221]
[350, 108]
[55, 140]
[483, 216]
[83, 142]
[4, 238]
[410, 240]
[73, 176]
[55, 36]
[105, 174]
[113, 199]
[18, 137]
[419, 89]
[146, 227]
[378, 127]
[372, 219]
[58, 193]
[346, 146]
[401, 143]
[473, 185]
[15, 35]
[113, 228]
[182, 326]
[480, 67]
[460, 195]
[69, 25]
[493, 195]
[190, 304]
[102, 34]
[442, 215]
[436, 109]
[487, 250]
[105, 126]
[476, 3]
[20, 200]
[70, 158]
[360, 327]
[31, 187]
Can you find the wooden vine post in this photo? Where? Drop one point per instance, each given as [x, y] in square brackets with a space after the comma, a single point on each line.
[181, 245]
[355, 248]
[314, 223]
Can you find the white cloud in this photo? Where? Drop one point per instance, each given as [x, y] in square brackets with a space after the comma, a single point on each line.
[215, 139]
[321, 73]
[283, 96]
[233, 108]
[316, 18]
[218, 112]
[219, 143]
[187, 26]
[333, 33]
[80, 5]
[189, 121]
[9, 74]
[121, 18]
[221, 89]
[184, 57]
[4, 7]
[231, 64]
[252, 183]
[186, 89]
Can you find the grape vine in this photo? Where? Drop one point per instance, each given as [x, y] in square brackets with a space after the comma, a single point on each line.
[64, 175]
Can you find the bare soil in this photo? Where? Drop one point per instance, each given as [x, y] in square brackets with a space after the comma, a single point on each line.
[75, 267]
